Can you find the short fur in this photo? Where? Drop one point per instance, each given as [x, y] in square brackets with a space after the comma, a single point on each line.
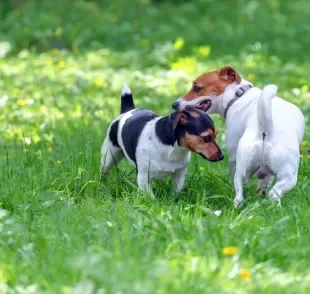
[264, 132]
[158, 146]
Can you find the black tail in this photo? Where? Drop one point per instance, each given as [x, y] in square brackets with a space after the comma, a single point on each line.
[127, 100]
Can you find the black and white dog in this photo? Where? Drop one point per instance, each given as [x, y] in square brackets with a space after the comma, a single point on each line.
[158, 146]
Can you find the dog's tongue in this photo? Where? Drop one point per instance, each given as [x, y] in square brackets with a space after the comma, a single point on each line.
[205, 105]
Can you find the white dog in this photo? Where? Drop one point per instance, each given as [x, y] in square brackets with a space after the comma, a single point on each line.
[264, 132]
[158, 146]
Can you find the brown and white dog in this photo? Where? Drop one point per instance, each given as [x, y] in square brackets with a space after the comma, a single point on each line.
[264, 132]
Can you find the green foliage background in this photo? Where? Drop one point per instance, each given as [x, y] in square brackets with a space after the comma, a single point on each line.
[62, 65]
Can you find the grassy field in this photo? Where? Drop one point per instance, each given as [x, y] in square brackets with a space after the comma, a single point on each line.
[62, 66]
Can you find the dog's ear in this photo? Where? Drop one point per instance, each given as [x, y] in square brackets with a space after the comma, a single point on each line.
[180, 117]
[229, 74]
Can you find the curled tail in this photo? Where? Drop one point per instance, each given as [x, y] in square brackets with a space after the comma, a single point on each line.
[127, 99]
[264, 112]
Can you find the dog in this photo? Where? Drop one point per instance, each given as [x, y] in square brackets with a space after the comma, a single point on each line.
[158, 146]
[264, 132]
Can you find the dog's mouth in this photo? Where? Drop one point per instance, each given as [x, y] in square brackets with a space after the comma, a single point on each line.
[204, 105]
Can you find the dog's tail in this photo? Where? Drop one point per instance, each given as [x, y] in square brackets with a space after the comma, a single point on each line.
[264, 112]
[127, 99]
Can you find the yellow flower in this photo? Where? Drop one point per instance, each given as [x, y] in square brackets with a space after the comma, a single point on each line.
[201, 168]
[21, 102]
[178, 44]
[304, 143]
[245, 274]
[204, 50]
[229, 251]
[98, 81]
[49, 149]
[61, 64]
[58, 161]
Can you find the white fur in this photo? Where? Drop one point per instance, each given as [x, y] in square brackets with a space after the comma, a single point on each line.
[259, 111]
[125, 90]
[154, 159]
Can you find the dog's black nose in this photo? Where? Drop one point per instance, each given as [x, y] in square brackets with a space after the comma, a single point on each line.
[175, 105]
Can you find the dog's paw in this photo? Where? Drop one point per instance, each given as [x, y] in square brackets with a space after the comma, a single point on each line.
[238, 203]
[273, 195]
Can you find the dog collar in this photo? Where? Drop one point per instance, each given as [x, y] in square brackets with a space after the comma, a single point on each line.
[238, 94]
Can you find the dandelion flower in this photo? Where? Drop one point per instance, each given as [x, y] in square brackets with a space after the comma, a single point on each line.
[245, 274]
[21, 102]
[61, 64]
[229, 251]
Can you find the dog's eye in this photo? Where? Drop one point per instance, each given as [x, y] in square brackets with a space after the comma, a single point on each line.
[197, 89]
[207, 138]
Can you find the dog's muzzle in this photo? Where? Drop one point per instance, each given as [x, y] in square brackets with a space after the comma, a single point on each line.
[175, 105]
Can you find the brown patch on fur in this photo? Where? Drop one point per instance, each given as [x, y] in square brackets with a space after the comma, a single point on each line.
[212, 83]
[196, 144]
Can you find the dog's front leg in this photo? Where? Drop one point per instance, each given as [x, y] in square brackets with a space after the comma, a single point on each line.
[232, 167]
[144, 184]
[178, 179]
[239, 174]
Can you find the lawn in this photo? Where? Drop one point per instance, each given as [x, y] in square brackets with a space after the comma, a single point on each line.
[62, 66]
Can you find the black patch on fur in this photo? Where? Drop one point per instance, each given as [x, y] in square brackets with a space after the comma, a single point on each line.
[132, 129]
[164, 129]
[113, 133]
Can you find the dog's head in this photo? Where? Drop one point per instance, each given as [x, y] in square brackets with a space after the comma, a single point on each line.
[195, 131]
[207, 87]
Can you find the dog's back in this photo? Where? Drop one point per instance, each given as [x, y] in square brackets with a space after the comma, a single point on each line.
[131, 125]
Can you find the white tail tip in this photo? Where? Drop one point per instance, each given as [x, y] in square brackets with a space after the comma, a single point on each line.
[272, 89]
[125, 90]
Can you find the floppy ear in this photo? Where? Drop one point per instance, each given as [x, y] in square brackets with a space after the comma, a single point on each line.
[229, 74]
[179, 118]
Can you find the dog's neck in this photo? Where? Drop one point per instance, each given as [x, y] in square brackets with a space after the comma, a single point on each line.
[221, 102]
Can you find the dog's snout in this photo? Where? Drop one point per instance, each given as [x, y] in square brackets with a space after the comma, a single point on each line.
[216, 157]
[175, 105]
[221, 157]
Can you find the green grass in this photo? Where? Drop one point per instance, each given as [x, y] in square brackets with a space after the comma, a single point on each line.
[61, 230]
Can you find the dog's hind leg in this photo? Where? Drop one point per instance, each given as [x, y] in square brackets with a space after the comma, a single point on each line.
[284, 183]
[110, 156]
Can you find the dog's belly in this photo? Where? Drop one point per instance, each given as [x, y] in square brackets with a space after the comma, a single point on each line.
[161, 170]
